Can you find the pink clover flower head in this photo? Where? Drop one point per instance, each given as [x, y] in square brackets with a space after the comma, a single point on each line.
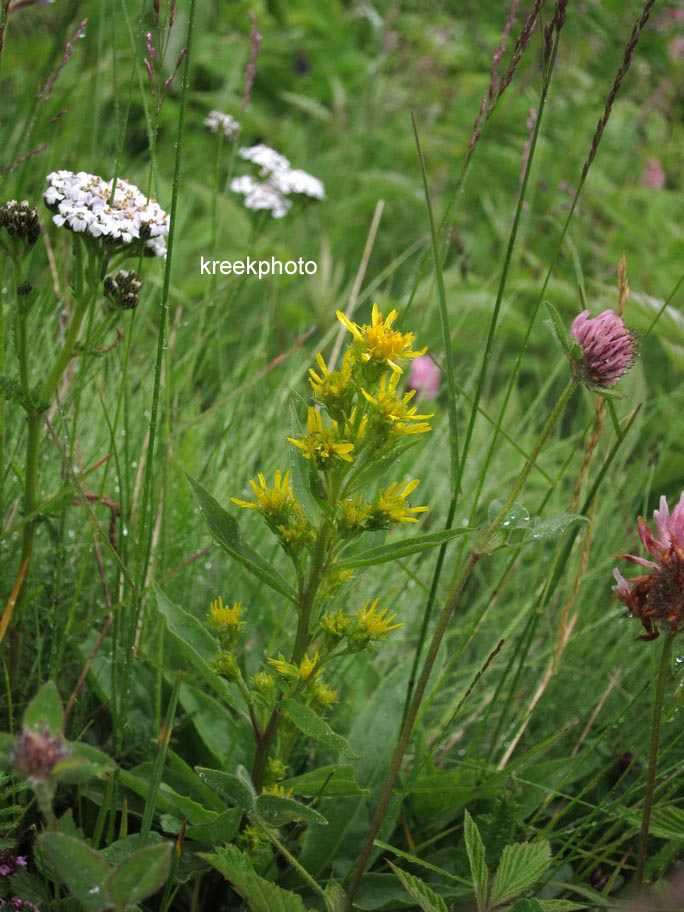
[608, 347]
[657, 597]
[424, 377]
[653, 176]
[36, 754]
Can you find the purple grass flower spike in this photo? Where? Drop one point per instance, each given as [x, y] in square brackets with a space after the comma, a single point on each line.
[608, 347]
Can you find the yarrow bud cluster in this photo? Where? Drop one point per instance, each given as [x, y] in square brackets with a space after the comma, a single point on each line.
[222, 123]
[20, 220]
[123, 216]
[279, 181]
[122, 289]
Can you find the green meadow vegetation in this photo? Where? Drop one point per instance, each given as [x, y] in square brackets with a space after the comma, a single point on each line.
[307, 593]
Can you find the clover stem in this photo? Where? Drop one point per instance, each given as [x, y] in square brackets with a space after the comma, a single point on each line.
[656, 719]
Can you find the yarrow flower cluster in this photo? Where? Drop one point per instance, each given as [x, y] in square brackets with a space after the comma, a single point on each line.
[84, 203]
[657, 597]
[222, 123]
[608, 348]
[278, 182]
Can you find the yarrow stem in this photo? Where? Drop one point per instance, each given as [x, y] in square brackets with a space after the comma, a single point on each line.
[483, 543]
[656, 719]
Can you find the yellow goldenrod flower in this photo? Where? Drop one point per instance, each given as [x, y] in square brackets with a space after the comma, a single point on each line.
[394, 412]
[278, 506]
[264, 684]
[269, 500]
[321, 443]
[284, 668]
[355, 515]
[375, 624]
[307, 667]
[391, 506]
[378, 341]
[225, 620]
[278, 790]
[331, 386]
[335, 625]
[323, 695]
[226, 664]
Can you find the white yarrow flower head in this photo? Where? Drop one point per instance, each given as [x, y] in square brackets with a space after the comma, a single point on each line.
[222, 123]
[83, 203]
[279, 181]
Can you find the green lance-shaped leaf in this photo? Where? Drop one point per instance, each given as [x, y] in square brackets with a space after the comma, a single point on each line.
[224, 528]
[260, 895]
[570, 349]
[335, 781]
[397, 550]
[45, 710]
[311, 724]
[236, 789]
[277, 810]
[521, 866]
[195, 643]
[140, 874]
[425, 896]
[477, 859]
[84, 871]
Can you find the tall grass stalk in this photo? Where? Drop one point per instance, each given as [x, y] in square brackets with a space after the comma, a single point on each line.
[484, 543]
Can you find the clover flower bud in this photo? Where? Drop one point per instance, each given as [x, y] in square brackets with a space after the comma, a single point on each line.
[37, 753]
[608, 348]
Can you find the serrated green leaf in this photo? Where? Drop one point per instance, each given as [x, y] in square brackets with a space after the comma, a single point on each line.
[520, 867]
[84, 871]
[261, 895]
[526, 905]
[326, 782]
[666, 822]
[477, 860]
[311, 724]
[235, 789]
[224, 528]
[140, 874]
[427, 899]
[277, 810]
[397, 550]
[45, 710]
